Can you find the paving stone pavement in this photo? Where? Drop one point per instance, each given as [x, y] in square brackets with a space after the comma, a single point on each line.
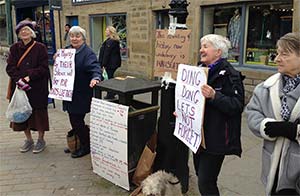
[52, 172]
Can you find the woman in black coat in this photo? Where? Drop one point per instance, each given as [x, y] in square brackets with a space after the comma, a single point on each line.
[224, 93]
[109, 56]
[87, 75]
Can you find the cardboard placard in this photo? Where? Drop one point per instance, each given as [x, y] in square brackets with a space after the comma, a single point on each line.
[170, 51]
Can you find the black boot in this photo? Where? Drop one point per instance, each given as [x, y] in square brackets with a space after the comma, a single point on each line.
[81, 152]
[84, 137]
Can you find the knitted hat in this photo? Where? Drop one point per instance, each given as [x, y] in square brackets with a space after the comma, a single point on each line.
[22, 24]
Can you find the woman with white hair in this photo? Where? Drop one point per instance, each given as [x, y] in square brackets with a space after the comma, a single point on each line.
[27, 66]
[87, 75]
[273, 115]
[224, 93]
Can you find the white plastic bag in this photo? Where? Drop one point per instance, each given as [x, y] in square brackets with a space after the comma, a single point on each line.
[19, 108]
[104, 74]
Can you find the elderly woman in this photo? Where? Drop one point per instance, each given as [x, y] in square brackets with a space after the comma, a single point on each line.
[87, 75]
[27, 64]
[274, 115]
[109, 56]
[224, 93]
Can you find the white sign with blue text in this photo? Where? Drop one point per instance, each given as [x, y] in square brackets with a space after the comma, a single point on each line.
[189, 105]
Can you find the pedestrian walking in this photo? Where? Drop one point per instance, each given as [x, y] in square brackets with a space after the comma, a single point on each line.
[109, 56]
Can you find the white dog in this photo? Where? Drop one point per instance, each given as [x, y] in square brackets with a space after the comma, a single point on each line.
[161, 183]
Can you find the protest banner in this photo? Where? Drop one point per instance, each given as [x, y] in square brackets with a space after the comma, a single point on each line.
[63, 75]
[189, 105]
[170, 51]
[108, 136]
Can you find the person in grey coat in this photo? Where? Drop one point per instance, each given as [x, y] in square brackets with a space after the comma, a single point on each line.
[273, 114]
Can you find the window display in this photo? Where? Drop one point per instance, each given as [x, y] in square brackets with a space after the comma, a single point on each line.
[3, 27]
[226, 22]
[275, 21]
[259, 25]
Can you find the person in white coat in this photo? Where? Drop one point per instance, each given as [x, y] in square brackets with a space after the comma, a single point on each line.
[273, 114]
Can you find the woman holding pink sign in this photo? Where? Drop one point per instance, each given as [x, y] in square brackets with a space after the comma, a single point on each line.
[224, 93]
[87, 75]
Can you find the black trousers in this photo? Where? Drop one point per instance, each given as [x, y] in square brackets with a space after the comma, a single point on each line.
[110, 74]
[81, 129]
[208, 167]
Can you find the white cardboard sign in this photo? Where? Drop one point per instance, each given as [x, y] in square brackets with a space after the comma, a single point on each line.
[108, 133]
[189, 105]
[63, 75]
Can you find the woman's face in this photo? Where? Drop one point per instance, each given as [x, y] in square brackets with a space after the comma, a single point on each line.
[208, 54]
[76, 40]
[25, 33]
[288, 63]
[107, 32]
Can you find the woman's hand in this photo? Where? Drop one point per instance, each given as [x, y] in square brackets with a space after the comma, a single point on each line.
[93, 83]
[208, 91]
[55, 56]
[175, 114]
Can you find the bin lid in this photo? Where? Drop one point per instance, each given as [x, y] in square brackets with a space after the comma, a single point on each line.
[129, 85]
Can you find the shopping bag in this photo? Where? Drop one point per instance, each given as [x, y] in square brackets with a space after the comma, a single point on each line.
[73, 141]
[19, 108]
[104, 74]
[145, 163]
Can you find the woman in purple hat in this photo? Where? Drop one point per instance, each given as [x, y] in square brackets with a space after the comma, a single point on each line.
[27, 64]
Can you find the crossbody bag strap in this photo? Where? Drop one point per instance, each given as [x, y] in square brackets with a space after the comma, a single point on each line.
[25, 53]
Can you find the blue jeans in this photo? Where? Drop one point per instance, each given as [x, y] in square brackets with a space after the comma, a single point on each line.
[208, 167]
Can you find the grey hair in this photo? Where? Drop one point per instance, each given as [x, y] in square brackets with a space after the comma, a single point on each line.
[77, 30]
[218, 42]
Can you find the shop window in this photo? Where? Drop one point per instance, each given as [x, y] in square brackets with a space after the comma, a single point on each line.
[266, 23]
[224, 21]
[162, 19]
[275, 20]
[72, 20]
[98, 26]
[3, 27]
[43, 21]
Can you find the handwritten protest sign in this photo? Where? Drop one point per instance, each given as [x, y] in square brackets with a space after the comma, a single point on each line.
[108, 133]
[189, 105]
[63, 75]
[170, 51]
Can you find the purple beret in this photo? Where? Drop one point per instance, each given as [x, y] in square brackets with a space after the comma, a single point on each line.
[22, 24]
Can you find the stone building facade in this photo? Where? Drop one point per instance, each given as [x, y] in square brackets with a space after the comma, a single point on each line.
[143, 17]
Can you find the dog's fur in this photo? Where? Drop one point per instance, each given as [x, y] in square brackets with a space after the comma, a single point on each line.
[161, 183]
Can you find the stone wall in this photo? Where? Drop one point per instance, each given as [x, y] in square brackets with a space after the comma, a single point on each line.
[253, 78]
[141, 32]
